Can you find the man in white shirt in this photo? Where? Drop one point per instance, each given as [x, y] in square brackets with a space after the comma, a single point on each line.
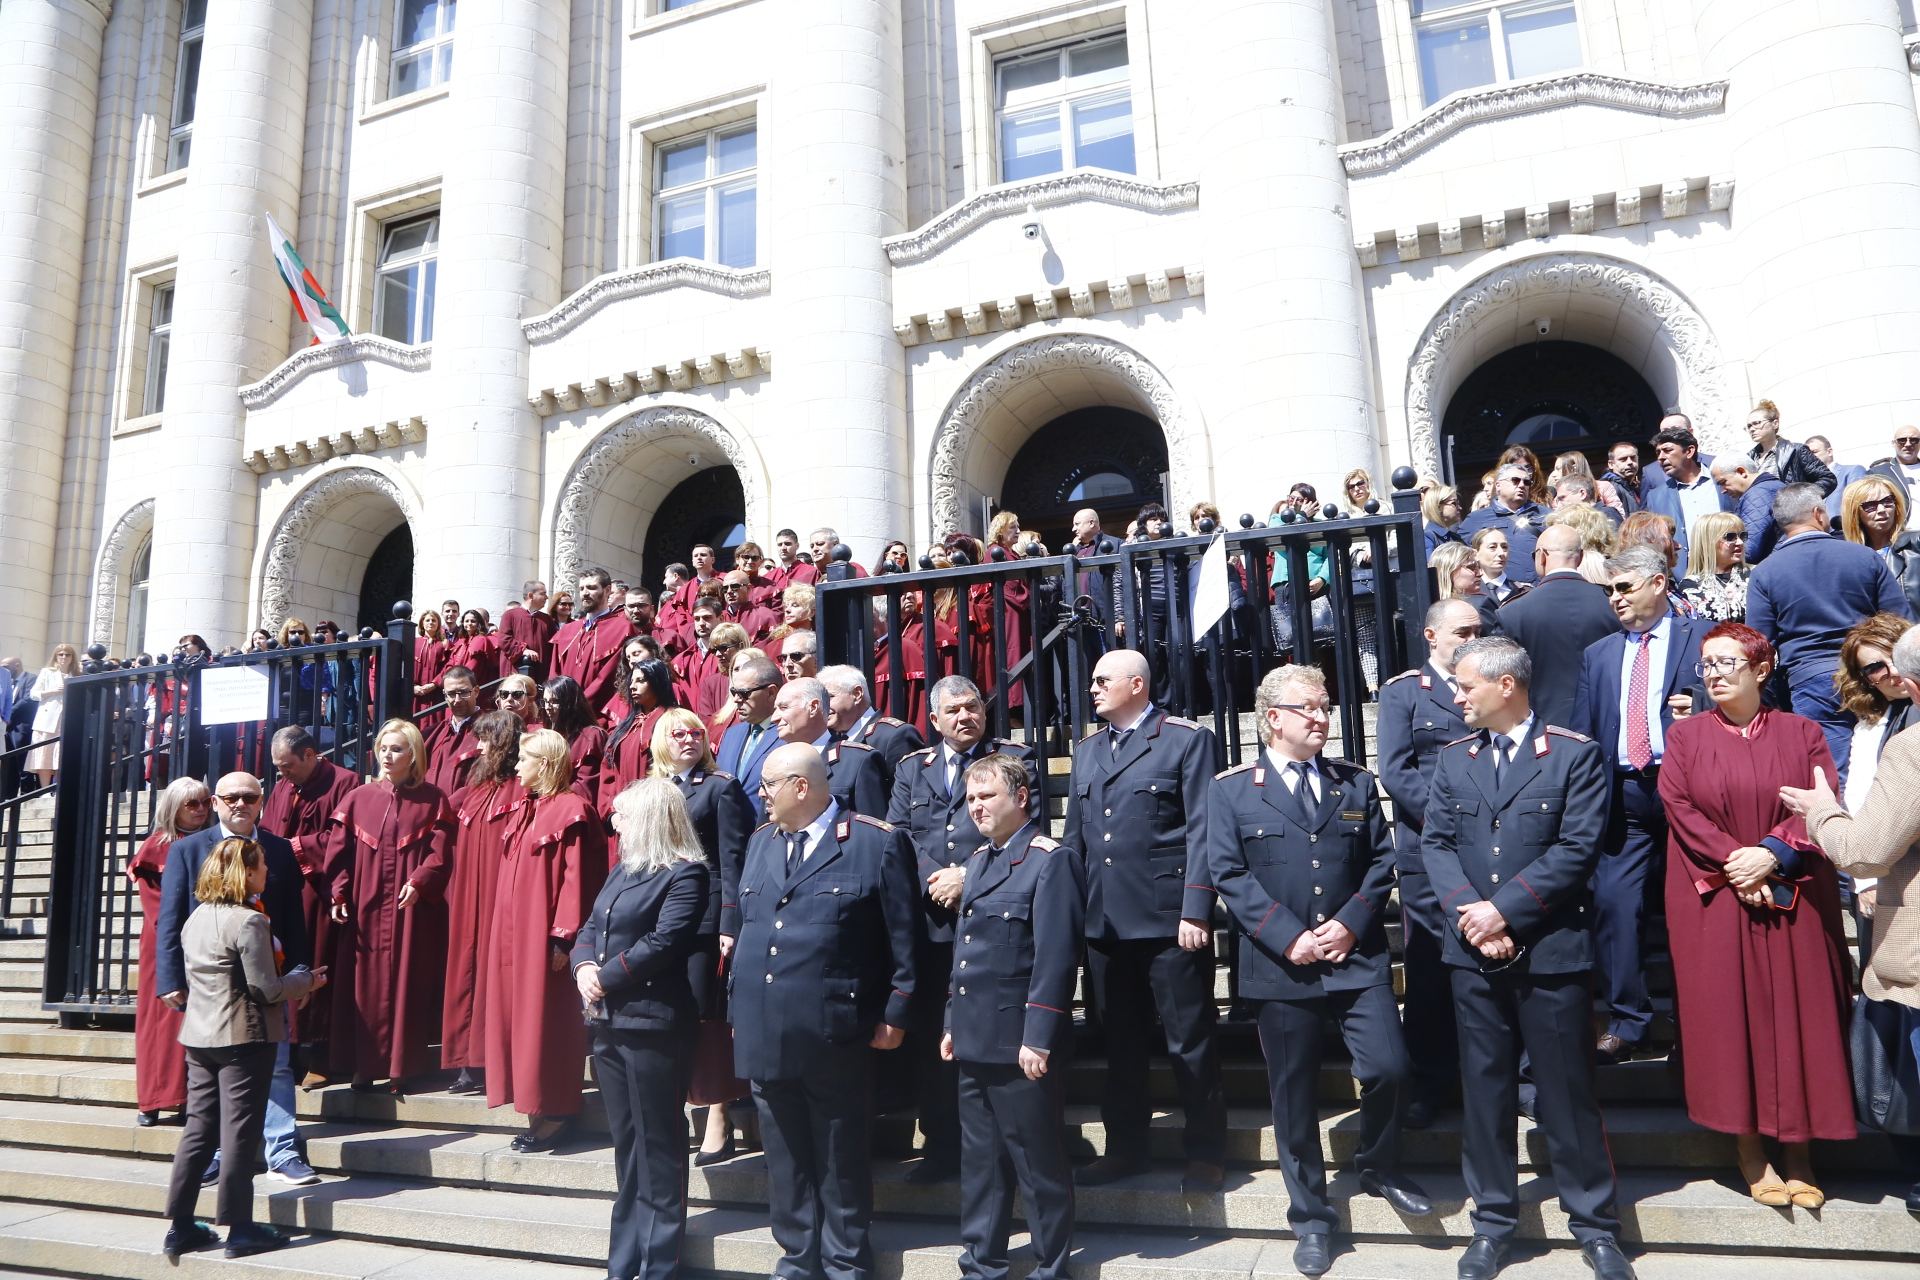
[1904, 469]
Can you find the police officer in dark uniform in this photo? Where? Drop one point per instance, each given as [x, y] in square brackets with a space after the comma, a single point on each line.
[852, 718]
[930, 804]
[1137, 816]
[1514, 821]
[854, 772]
[823, 970]
[1299, 851]
[1010, 1024]
[1417, 718]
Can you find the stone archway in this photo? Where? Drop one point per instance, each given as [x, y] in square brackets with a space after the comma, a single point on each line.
[1640, 318]
[1029, 385]
[618, 482]
[317, 554]
[112, 575]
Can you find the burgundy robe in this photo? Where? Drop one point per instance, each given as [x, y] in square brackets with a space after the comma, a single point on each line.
[556, 861]
[588, 750]
[159, 1063]
[591, 655]
[521, 631]
[628, 760]
[913, 642]
[429, 661]
[478, 654]
[755, 621]
[300, 815]
[1762, 997]
[487, 814]
[389, 964]
[1012, 623]
[449, 752]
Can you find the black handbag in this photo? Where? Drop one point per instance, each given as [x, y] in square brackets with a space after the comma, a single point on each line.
[1886, 1077]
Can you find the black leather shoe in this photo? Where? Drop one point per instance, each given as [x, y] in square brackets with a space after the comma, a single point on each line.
[1399, 1191]
[468, 1082]
[701, 1159]
[190, 1238]
[244, 1242]
[934, 1168]
[1483, 1259]
[1108, 1169]
[147, 1119]
[1913, 1198]
[528, 1144]
[1611, 1051]
[1604, 1256]
[1419, 1116]
[1313, 1256]
[211, 1178]
[1527, 1107]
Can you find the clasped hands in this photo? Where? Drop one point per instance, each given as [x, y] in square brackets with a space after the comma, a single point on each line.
[1486, 929]
[1332, 942]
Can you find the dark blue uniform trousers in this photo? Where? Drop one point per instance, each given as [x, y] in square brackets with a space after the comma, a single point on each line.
[643, 1084]
[936, 1083]
[1633, 854]
[1010, 1133]
[814, 1129]
[1433, 1046]
[1130, 978]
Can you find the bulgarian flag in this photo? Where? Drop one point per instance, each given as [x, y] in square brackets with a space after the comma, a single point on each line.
[309, 299]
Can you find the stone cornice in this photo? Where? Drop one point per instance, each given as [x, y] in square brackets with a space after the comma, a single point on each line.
[1062, 188]
[734, 282]
[1497, 102]
[331, 355]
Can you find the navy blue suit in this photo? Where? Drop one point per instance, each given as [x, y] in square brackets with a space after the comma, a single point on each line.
[727, 759]
[893, 739]
[857, 778]
[1844, 474]
[1554, 623]
[1662, 497]
[282, 898]
[722, 817]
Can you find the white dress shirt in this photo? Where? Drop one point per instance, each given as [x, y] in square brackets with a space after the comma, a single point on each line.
[1292, 779]
[1656, 681]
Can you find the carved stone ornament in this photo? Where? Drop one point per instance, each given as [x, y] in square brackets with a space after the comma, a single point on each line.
[1703, 392]
[983, 392]
[597, 466]
[297, 524]
[331, 355]
[1496, 102]
[1062, 188]
[114, 564]
[734, 282]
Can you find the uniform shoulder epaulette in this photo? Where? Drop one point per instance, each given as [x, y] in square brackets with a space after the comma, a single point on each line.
[1568, 733]
[1337, 765]
[898, 724]
[1096, 733]
[1461, 742]
[1239, 768]
[1402, 676]
[763, 826]
[722, 773]
[1183, 722]
[857, 746]
[1043, 842]
[923, 751]
[873, 822]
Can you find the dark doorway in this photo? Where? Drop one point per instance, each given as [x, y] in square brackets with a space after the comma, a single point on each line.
[1112, 460]
[1553, 397]
[388, 579]
[707, 507]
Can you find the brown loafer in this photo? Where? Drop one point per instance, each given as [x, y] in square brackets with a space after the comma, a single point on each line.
[1611, 1050]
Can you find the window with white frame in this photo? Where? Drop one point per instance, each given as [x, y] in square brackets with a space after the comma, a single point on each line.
[1069, 107]
[186, 82]
[1467, 43]
[667, 6]
[403, 286]
[422, 45]
[140, 577]
[159, 345]
[706, 197]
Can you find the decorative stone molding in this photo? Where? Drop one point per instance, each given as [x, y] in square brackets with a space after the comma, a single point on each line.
[383, 435]
[710, 369]
[1672, 198]
[734, 282]
[1122, 294]
[976, 399]
[1559, 273]
[1015, 197]
[1496, 102]
[298, 522]
[331, 355]
[594, 470]
[113, 566]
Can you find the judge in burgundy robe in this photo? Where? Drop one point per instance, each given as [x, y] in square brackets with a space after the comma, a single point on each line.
[630, 750]
[588, 649]
[476, 648]
[526, 627]
[486, 809]
[429, 661]
[308, 792]
[159, 1063]
[450, 742]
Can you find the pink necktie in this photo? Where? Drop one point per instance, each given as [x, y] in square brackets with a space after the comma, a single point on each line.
[1639, 741]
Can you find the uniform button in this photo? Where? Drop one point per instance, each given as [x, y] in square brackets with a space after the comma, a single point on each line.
[1108, 812]
[783, 902]
[1313, 839]
[963, 991]
[969, 910]
[1316, 864]
[1496, 879]
[963, 964]
[773, 951]
[1259, 831]
[968, 938]
[949, 843]
[1496, 851]
[949, 826]
[779, 924]
[1006, 915]
[1107, 835]
[769, 977]
[1153, 786]
[1320, 919]
[1316, 891]
[1109, 861]
[1543, 804]
[1496, 824]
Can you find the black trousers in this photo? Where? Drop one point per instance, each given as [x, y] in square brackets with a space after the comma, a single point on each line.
[643, 1084]
[1290, 1039]
[1632, 857]
[1131, 979]
[1552, 1016]
[1010, 1134]
[936, 1081]
[814, 1129]
[1433, 1045]
[227, 1113]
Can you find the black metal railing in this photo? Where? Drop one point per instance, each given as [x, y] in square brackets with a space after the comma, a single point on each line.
[16, 793]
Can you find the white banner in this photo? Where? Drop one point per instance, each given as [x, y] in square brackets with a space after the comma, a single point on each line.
[233, 695]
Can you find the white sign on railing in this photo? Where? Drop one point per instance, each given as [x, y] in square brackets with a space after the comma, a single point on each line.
[233, 695]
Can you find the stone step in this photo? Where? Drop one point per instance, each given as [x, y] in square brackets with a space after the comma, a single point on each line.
[17, 975]
[24, 1008]
[32, 950]
[37, 1040]
[1244, 1080]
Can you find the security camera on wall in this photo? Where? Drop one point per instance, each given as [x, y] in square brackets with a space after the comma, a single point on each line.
[1030, 226]
[1542, 326]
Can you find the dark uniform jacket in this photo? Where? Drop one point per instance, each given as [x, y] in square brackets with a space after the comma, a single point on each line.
[937, 822]
[1554, 623]
[638, 934]
[1139, 822]
[1018, 952]
[825, 955]
[857, 778]
[1528, 845]
[1280, 875]
[1417, 718]
[893, 739]
[283, 898]
[723, 819]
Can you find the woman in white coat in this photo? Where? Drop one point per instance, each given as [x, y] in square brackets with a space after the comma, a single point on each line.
[50, 692]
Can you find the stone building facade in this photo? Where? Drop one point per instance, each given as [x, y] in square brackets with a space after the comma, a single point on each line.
[627, 273]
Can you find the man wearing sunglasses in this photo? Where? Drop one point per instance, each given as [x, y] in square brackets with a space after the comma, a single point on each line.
[1903, 468]
[753, 686]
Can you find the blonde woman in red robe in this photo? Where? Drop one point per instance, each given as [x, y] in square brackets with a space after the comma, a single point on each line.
[388, 851]
[159, 1063]
[556, 861]
[487, 807]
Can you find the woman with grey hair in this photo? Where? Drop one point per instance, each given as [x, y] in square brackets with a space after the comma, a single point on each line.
[629, 962]
[159, 1067]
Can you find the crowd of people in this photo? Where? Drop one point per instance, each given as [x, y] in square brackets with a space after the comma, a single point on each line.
[653, 829]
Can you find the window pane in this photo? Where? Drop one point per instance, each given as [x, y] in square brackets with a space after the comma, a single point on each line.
[412, 72]
[408, 239]
[394, 304]
[1030, 145]
[682, 164]
[1017, 77]
[1107, 56]
[667, 6]
[736, 226]
[443, 69]
[1455, 57]
[1103, 135]
[426, 302]
[1436, 6]
[1539, 43]
[683, 227]
[189, 82]
[195, 16]
[163, 306]
[736, 152]
[178, 152]
[159, 347]
[419, 20]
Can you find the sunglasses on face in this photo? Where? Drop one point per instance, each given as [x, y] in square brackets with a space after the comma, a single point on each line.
[1875, 670]
[744, 694]
[1890, 502]
[1738, 535]
[1906, 440]
[240, 798]
[1622, 588]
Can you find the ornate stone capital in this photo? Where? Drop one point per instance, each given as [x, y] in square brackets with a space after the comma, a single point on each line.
[331, 355]
[297, 524]
[1062, 188]
[127, 532]
[734, 282]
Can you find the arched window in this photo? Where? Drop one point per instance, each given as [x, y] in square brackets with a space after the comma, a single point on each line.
[1101, 484]
[137, 599]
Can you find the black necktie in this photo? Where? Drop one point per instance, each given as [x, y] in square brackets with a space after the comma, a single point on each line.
[1301, 794]
[796, 851]
[1500, 743]
[1119, 738]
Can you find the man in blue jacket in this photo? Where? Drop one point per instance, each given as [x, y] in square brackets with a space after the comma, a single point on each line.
[1683, 489]
[1513, 510]
[1752, 493]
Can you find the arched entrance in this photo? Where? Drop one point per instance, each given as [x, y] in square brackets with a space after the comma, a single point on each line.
[1553, 397]
[388, 580]
[338, 536]
[119, 582]
[708, 507]
[1112, 460]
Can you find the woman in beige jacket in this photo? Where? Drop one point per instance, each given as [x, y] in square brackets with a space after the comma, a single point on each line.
[235, 1015]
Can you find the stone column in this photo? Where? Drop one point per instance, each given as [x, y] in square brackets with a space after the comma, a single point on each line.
[1286, 312]
[232, 318]
[49, 91]
[1825, 151]
[501, 224]
[833, 142]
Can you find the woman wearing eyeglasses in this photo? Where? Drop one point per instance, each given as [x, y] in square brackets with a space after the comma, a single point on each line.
[1762, 993]
[1873, 512]
[159, 1067]
[1717, 571]
[1878, 699]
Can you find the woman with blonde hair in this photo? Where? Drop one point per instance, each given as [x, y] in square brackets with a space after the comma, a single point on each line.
[796, 611]
[1596, 538]
[1717, 571]
[1441, 508]
[50, 691]
[1873, 513]
[1793, 463]
[1457, 572]
[159, 1069]
[629, 970]
[294, 634]
[556, 861]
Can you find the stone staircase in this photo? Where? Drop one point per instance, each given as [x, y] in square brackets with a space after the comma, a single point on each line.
[427, 1185]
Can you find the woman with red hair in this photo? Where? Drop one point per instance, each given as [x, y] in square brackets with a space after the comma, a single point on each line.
[1762, 989]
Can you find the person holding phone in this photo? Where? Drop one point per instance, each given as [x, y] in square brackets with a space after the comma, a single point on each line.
[1762, 991]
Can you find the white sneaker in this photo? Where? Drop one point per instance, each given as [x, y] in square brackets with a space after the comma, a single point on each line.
[294, 1172]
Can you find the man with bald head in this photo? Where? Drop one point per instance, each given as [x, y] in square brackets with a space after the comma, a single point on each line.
[855, 773]
[1557, 620]
[823, 973]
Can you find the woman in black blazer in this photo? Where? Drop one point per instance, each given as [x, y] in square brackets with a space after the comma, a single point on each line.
[629, 960]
